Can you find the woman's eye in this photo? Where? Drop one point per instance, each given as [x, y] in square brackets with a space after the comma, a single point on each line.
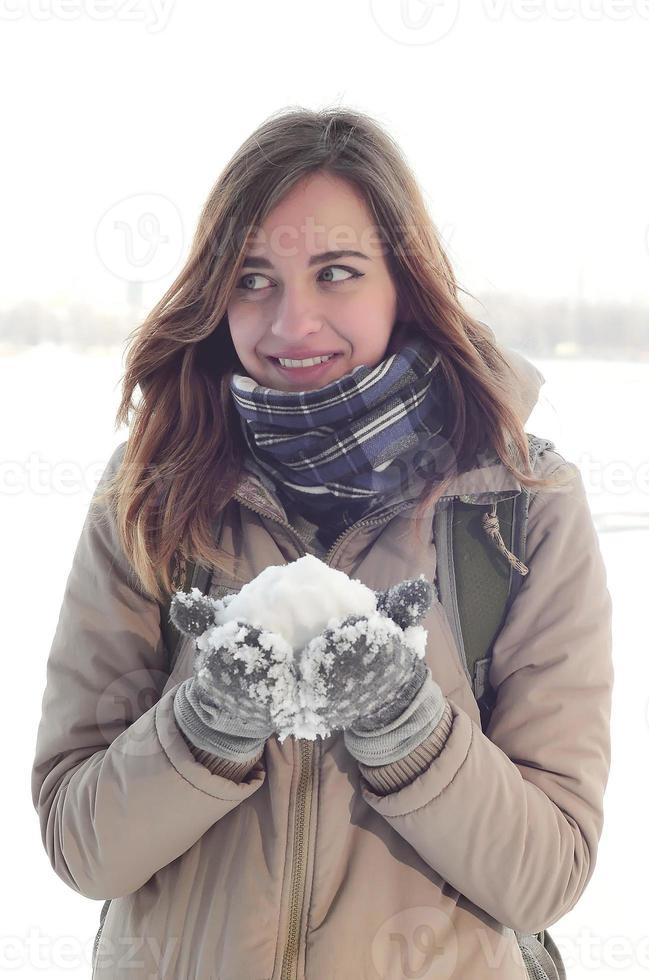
[250, 275]
[257, 275]
[352, 273]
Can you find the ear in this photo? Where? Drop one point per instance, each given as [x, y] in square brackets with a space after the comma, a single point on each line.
[407, 602]
[192, 612]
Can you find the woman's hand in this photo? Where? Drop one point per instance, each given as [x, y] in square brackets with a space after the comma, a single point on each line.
[364, 672]
[244, 681]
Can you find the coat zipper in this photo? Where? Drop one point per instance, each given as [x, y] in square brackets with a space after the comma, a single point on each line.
[304, 792]
[301, 827]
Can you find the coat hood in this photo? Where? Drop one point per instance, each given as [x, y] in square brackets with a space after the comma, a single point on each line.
[526, 382]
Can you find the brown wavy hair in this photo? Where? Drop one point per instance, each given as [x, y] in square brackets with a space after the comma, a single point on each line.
[182, 461]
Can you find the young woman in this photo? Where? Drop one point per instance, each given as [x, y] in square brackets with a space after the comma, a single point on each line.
[426, 847]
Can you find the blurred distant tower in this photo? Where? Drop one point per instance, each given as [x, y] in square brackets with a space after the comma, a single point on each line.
[577, 311]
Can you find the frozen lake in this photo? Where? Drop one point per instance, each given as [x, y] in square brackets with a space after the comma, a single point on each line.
[59, 409]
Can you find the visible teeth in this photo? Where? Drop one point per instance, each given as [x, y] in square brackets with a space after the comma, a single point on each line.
[289, 362]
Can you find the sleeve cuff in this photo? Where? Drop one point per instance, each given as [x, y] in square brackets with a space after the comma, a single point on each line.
[397, 739]
[218, 766]
[213, 731]
[395, 775]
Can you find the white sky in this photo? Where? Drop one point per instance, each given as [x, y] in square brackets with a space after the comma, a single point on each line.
[525, 122]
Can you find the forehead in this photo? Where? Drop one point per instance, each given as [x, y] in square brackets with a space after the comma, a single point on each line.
[321, 213]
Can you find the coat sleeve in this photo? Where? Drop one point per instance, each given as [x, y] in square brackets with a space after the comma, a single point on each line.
[512, 817]
[118, 791]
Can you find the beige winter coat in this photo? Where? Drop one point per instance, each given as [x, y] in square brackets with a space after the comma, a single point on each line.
[304, 869]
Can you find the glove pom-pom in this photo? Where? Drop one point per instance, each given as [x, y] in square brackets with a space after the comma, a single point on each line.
[408, 602]
[192, 612]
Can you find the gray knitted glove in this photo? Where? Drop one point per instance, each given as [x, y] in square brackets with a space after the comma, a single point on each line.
[365, 672]
[243, 686]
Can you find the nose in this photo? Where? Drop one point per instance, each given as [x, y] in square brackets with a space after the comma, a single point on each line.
[294, 320]
[291, 334]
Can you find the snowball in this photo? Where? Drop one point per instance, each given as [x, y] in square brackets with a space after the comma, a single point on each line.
[299, 600]
[294, 604]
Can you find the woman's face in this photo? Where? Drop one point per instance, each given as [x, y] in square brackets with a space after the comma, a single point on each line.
[292, 300]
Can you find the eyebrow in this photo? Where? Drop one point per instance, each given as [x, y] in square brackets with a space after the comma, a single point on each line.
[258, 262]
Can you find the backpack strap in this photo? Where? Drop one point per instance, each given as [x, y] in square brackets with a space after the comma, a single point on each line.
[476, 583]
[483, 581]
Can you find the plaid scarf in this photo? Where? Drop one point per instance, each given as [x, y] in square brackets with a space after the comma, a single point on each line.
[337, 451]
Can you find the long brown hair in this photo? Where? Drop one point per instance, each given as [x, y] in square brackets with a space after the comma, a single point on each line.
[183, 458]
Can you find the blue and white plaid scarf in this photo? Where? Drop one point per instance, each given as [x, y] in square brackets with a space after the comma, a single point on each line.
[336, 450]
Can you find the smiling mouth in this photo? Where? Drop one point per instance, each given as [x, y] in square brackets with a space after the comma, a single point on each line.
[302, 367]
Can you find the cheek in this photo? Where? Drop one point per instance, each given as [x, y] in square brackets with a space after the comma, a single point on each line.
[372, 339]
[371, 317]
[244, 333]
